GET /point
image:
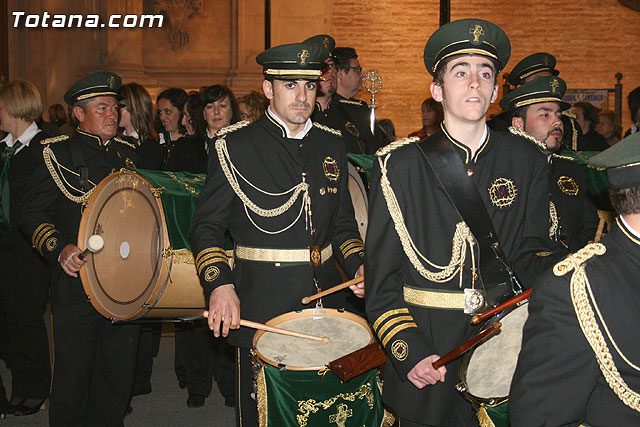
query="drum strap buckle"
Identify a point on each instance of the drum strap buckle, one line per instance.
(315, 258)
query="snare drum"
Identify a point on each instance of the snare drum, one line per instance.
(486, 372)
(145, 268)
(294, 385)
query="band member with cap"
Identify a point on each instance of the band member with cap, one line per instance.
(279, 186)
(94, 358)
(448, 215)
(579, 359)
(537, 108)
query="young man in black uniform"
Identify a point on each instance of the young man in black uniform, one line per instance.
(94, 358)
(426, 271)
(537, 116)
(279, 186)
(579, 359)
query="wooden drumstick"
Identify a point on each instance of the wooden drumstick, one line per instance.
(508, 303)
(267, 328)
(307, 300)
(455, 353)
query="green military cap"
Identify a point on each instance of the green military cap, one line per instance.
(97, 84)
(293, 61)
(622, 162)
(532, 64)
(324, 40)
(543, 89)
(467, 37)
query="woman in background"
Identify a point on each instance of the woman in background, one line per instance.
(252, 106)
(432, 116)
(219, 109)
(609, 127)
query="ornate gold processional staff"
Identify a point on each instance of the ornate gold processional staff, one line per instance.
(373, 84)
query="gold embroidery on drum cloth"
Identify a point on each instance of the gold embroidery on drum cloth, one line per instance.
(568, 185)
(483, 418)
(331, 169)
(400, 349)
(432, 298)
(180, 256)
(263, 415)
(185, 182)
(397, 329)
(351, 246)
(582, 304)
(307, 407)
(502, 192)
(280, 255)
(209, 257)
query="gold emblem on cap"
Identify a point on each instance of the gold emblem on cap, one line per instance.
(331, 170)
(554, 85)
(325, 42)
(303, 56)
(568, 185)
(502, 192)
(546, 61)
(111, 81)
(400, 350)
(476, 31)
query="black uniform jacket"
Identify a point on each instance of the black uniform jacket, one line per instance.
(511, 178)
(49, 218)
(352, 118)
(558, 380)
(186, 154)
(266, 158)
(569, 191)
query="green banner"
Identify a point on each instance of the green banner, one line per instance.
(596, 178)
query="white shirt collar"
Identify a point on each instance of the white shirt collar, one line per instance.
(133, 134)
(26, 136)
(631, 229)
(307, 126)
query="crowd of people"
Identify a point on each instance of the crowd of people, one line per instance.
(463, 215)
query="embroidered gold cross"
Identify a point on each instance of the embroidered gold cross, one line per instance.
(477, 32)
(554, 85)
(303, 56)
(111, 82)
(341, 417)
(325, 43)
(546, 61)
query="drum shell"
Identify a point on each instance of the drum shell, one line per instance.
(151, 280)
(358, 189)
(463, 387)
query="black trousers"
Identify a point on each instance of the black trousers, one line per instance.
(94, 366)
(24, 292)
(246, 408)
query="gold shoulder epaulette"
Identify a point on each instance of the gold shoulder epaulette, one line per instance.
(560, 156)
(125, 142)
(515, 131)
(573, 261)
(569, 114)
(327, 129)
(357, 102)
(383, 151)
(232, 128)
(54, 139)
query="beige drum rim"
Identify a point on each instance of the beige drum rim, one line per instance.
(309, 312)
(359, 199)
(122, 302)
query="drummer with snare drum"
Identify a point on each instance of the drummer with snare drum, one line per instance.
(448, 216)
(279, 185)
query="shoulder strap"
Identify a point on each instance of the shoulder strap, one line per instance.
(496, 276)
(79, 164)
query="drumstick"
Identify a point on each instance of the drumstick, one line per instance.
(267, 328)
(95, 244)
(453, 354)
(307, 300)
(513, 301)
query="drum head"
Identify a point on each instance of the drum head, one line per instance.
(488, 370)
(347, 331)
(359, 200)
(120, 279)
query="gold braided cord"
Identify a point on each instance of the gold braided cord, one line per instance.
(327, 129)
(587, 321)
(574, 135)
(541, 145)
(383, 151)
(232, 128)
(49, 159)
(230, 171)
(461, 238)
(562, 156)
(553, 217)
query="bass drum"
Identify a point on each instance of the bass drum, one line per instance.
(359, 198)
(145, 268)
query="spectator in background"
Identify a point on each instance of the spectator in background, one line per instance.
(136, 122)
(219, 110)
(252, 106)
(609, 127)
(170, 105)
(57, 115)
(388, 130)
(587, 118)
(432, 116)
(634, 108)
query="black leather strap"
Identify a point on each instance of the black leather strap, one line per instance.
(77, 156)
(495, 275)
